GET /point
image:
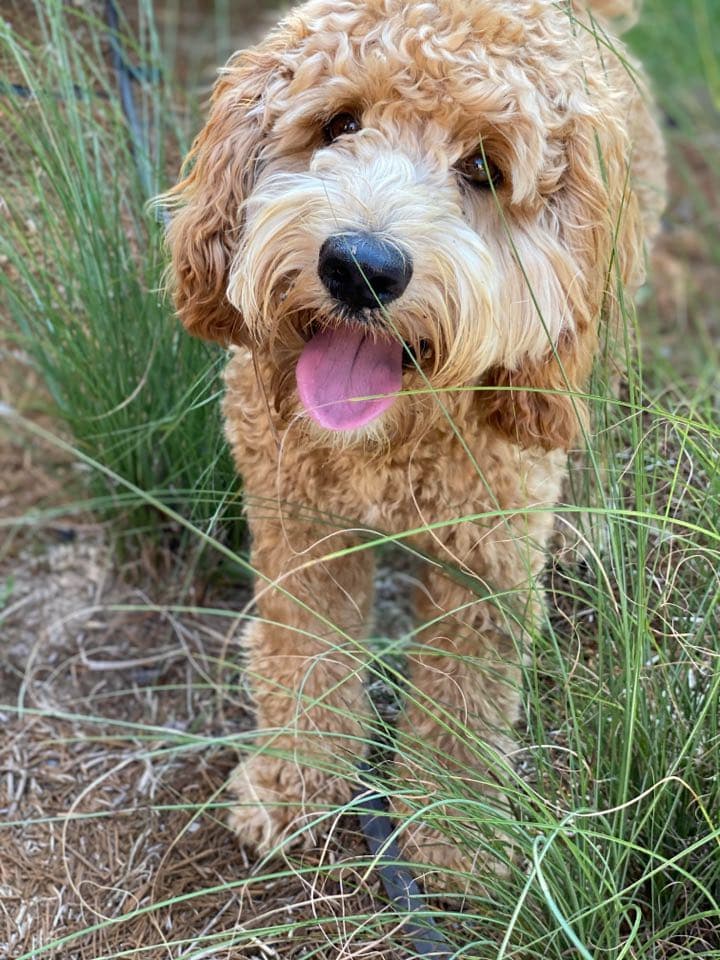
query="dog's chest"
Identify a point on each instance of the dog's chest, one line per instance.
(438, 482)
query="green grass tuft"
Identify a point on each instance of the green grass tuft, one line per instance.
(85, 289)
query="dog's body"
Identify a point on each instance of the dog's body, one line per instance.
(443, 199)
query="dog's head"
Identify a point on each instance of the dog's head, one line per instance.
(388, 194)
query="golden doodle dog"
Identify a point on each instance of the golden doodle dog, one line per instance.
(412, 223)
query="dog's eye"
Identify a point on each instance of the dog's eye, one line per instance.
(480, 170)
(339, 124)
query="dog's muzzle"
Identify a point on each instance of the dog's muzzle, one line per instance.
(363, 271)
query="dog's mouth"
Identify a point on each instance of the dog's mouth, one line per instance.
(350, 375)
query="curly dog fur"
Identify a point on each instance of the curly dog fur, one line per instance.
(506, 151)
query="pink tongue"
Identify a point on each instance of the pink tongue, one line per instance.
(337, 365)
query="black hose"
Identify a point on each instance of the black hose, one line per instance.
(27, 93)
(125, 75)
(400, 885)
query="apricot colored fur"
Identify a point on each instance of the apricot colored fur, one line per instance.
(510, 291)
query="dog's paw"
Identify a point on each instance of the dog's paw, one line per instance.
(281, 803)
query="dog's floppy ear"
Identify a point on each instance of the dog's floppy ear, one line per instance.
(595, 217)
(537, 405)
(221, 165)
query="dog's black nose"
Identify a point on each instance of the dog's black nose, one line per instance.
(362, 270)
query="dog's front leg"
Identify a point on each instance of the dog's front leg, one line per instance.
(455, 732)
(305, 665)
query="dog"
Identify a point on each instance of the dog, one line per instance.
(411, 223)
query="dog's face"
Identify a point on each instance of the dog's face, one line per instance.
(389, 194)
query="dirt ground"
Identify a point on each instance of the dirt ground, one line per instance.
(129, 714)
(111, 773)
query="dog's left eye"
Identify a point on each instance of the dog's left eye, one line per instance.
(339, 124)
(480, 170)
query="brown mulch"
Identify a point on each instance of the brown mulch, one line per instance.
(113, 845)
(121, 721)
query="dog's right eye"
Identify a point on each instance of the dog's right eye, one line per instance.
(339, 124)
(479, 170)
